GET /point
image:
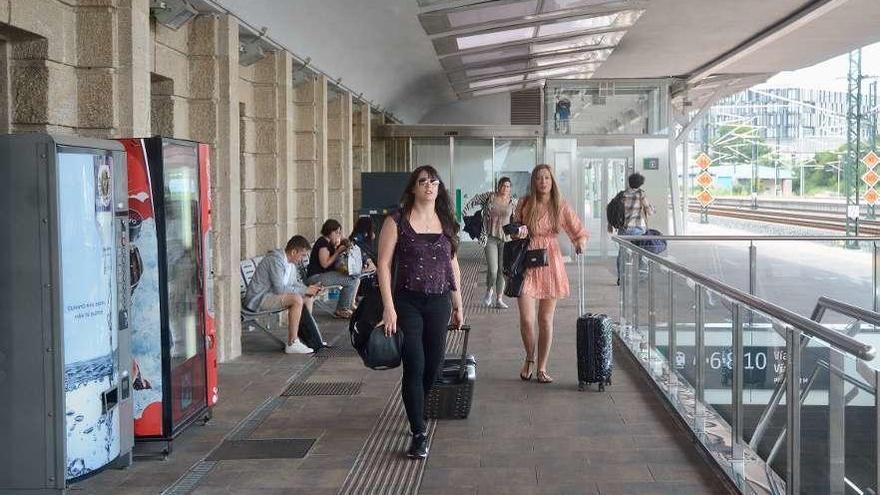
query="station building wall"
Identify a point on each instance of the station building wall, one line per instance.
(106, 69)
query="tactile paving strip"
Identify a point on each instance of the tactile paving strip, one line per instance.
(304, 389)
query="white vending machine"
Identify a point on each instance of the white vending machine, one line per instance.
(65, 366)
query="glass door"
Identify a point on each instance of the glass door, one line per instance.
(182, 235)
(603, 171)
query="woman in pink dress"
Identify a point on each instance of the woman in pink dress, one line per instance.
(544, 214)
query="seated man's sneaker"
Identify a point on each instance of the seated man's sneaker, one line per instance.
(297, 348)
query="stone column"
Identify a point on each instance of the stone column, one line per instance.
(43, 70)
(339, 158)
(97, 99)
(213, 119)
(133, 69)
(285, 147)
(310, 124)
(259, 209)
(361, 149)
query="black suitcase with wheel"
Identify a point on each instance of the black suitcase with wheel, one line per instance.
(594, 346)
(453, 391)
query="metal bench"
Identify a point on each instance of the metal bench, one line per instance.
(250, 318)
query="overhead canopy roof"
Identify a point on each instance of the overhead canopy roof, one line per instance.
(412, 55)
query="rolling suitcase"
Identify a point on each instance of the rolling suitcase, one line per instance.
(453, 391)
(594, 346)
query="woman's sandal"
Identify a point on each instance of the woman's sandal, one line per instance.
(343, 315)
(543, 377)
(528, 377)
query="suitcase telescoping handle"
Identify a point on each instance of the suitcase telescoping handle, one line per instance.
(582, 285)
(464, 346)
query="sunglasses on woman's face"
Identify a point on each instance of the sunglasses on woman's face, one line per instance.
(425, 182)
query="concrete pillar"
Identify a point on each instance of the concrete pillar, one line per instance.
(339, 159)
(213, 119)
(133, 68)
(259, 208)
(285, 147)
(97, 43)
(361, 148)
(310, 124)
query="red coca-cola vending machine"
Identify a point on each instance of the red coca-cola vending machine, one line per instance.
(174, 368)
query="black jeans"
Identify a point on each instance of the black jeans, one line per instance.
(423, 319)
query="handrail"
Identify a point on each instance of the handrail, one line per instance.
(749, 238)
(861, 314)
(842, 342)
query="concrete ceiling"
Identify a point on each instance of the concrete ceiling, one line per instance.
(380, 48)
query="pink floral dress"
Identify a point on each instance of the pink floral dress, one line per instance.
(551, 281)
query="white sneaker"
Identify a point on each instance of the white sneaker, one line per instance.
(500, 304)
(490, 297)
(297, 348)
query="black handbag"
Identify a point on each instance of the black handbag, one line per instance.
(382, 352)
(536, 258)
(514, 266)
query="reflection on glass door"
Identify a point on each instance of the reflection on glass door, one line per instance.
(181, 209)
(472, 159)
(603, 173)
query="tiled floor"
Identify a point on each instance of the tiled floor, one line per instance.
(520, 437)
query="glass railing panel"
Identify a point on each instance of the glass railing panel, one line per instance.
(860, 427)
(819, 406)
(727, 261)
(681, 347)
(659, 345)
(763, 389)
(716, 382)
(642, 310)
(794, 274)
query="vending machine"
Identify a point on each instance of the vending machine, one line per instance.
(174, 369)
(65, 384)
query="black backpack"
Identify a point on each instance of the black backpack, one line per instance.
(616, 212)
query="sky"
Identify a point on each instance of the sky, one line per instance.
(830, 74)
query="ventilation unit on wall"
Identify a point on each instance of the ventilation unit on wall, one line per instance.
(172, 13)
(525, 107)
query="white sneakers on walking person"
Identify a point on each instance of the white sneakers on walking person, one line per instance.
(500, 304)
(490, 298)
(297, 347)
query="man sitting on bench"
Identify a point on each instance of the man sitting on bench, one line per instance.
(277, 286)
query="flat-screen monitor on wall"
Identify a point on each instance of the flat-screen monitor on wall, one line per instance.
(382, 189)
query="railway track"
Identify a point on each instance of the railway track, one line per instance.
(797, 217)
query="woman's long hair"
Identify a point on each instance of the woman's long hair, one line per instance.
(364, 225)
(442, 205)
(530, 213)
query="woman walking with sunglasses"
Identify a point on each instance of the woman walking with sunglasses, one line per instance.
(544, 214)
(423, 237)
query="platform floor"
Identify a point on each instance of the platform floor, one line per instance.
(521, 437)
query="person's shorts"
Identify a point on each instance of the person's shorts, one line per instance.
(272, 302)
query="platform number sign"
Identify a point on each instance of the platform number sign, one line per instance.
(871, 178)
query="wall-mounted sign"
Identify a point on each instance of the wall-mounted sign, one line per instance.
(651, 164)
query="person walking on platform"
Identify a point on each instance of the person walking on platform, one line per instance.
(636, 211)
(422, 240)
(497, 207)
(544, 214)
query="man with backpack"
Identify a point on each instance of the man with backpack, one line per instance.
(628, 213)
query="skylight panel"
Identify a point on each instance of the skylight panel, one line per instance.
(604, 39)
(503, 53)
(496, 81)
(550, 73)
(495, 38)
(565, 27)
(593, 56)
(491, 13)
(553, 5)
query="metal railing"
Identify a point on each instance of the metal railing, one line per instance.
(872, 242)
(723, 420)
